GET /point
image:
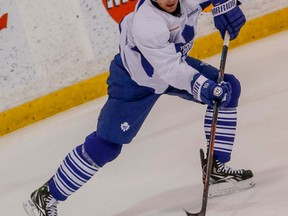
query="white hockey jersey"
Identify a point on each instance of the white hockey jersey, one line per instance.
(154, 44)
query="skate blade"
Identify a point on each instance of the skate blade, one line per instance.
(222, 189)
(30, 208)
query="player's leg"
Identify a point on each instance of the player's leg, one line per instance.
(227, 117)
(76, 169)
(226, 124)
(121, 117)
(81, 164)
(225, 132)
(231, 180)
(118, 123)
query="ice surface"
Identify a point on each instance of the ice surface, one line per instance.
(159, 173)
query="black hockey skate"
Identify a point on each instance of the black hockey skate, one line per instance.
(225, 180)
(41, 203)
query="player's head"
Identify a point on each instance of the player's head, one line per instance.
(168, 5)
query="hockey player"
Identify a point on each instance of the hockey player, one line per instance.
(155, 40)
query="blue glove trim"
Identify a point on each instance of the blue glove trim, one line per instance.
(196, 85)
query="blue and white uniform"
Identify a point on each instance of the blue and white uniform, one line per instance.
(154, 45)
(152, 61)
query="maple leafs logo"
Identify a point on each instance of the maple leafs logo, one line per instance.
(125, 126)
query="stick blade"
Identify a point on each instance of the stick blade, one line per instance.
(194, 214)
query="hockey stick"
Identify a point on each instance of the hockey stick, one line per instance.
(212, 133)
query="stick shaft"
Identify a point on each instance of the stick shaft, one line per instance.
(210, 151)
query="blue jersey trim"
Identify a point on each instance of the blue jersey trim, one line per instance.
(145, 64)
(205, 5)
(139, 4)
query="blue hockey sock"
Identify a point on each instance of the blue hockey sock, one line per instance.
(74, 172)
(225, 132)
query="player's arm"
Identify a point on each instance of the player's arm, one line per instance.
(151, 36)
(170, 68)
